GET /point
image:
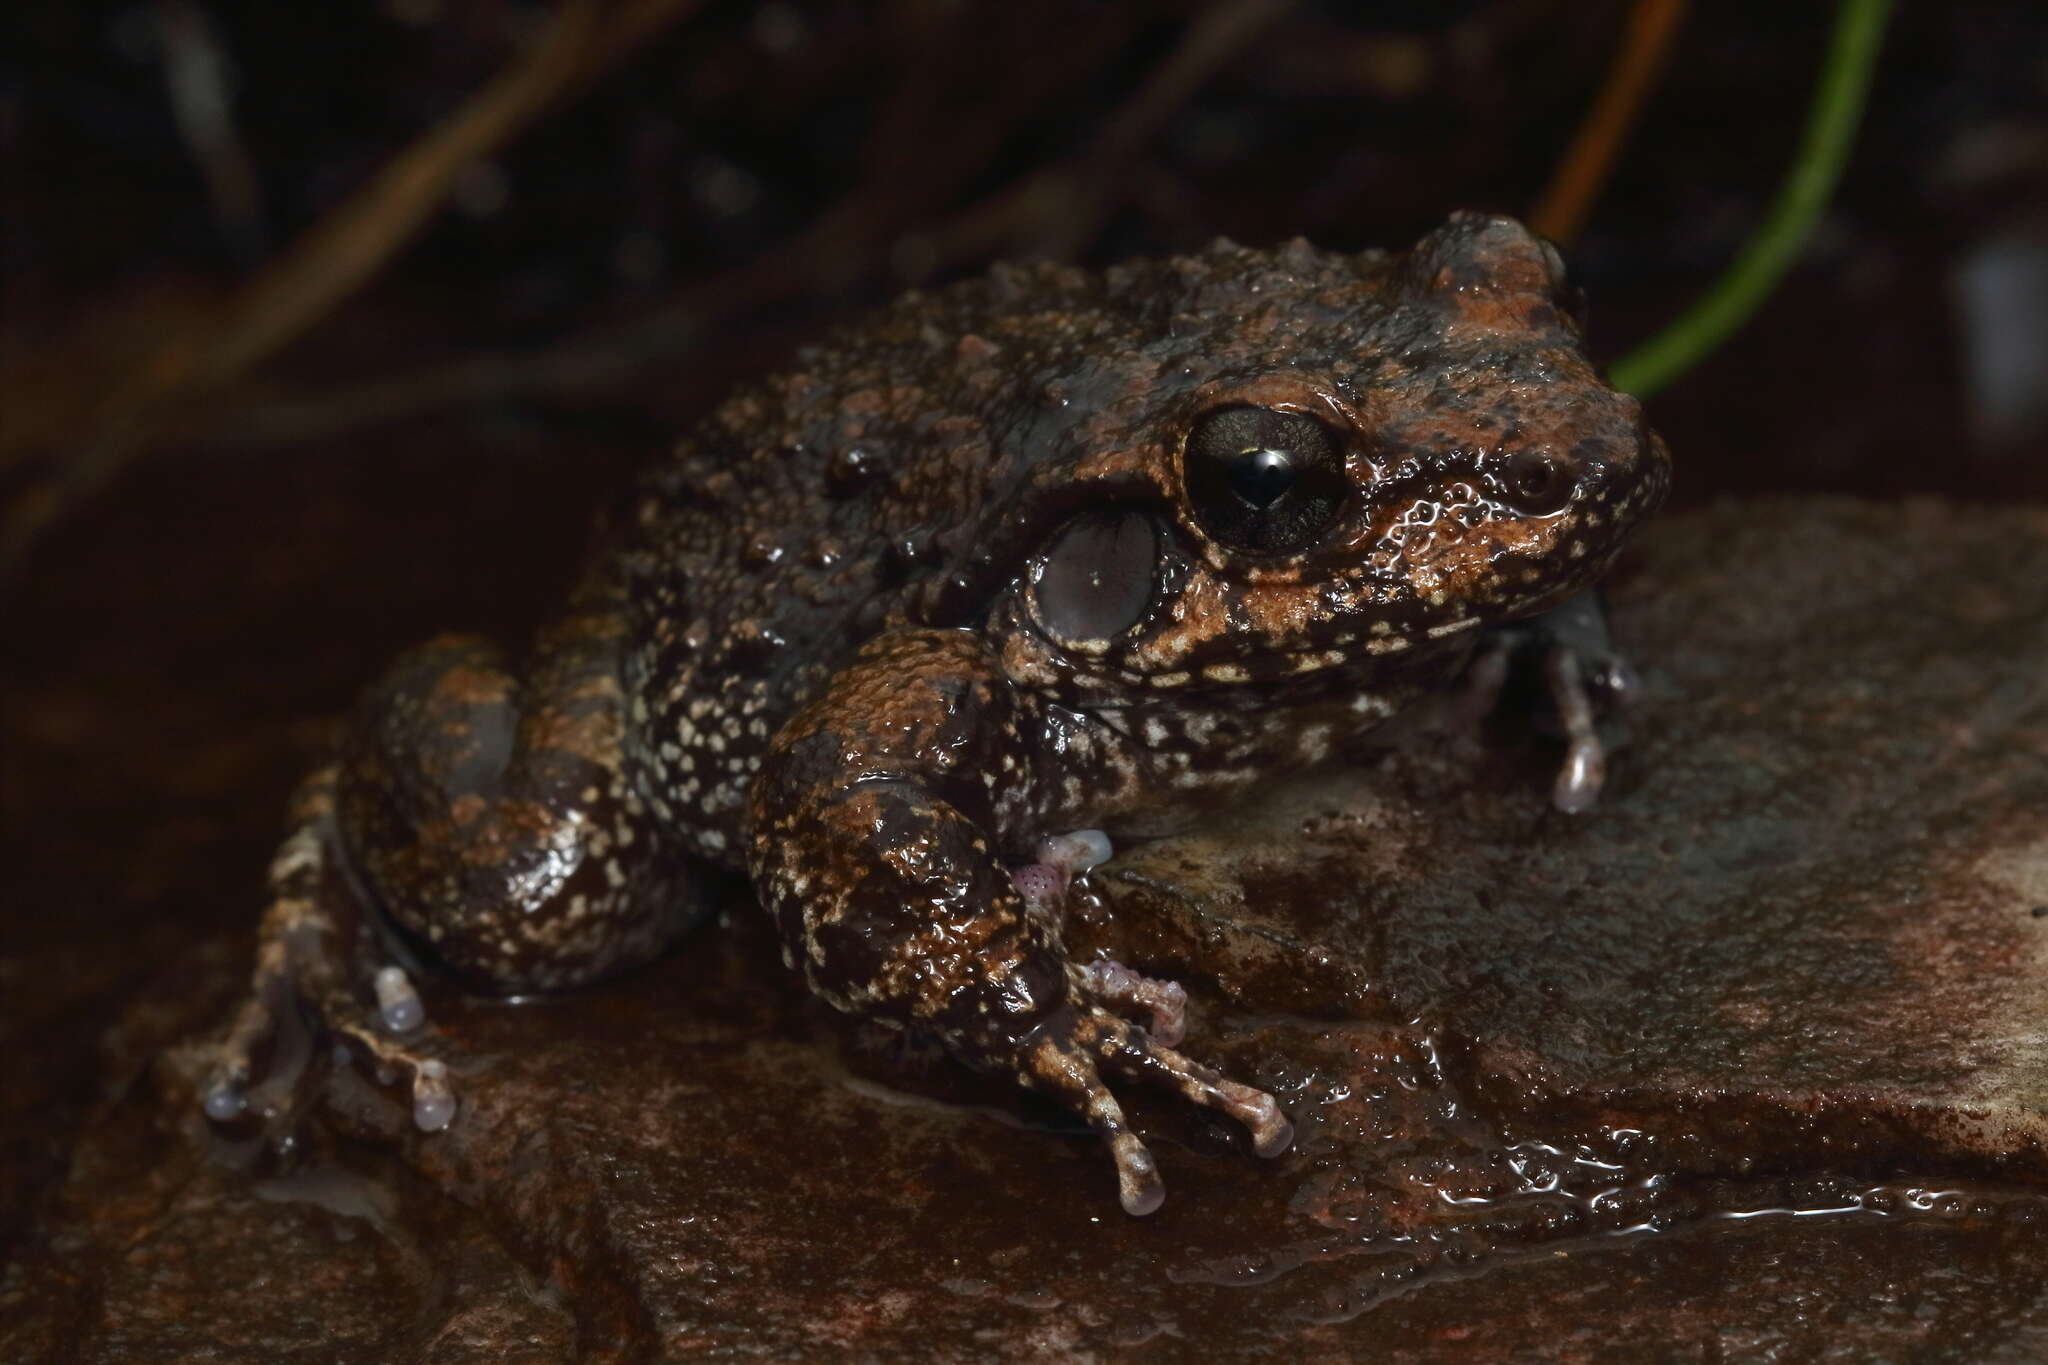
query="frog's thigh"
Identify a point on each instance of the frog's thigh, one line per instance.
(492, 818)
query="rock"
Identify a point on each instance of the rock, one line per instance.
(1748, 1059)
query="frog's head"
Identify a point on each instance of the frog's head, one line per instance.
(1390, 453)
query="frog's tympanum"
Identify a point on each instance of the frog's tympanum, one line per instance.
(909, 632)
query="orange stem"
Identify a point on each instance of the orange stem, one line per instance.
(1562, 210)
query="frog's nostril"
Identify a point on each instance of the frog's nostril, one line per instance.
(1537, 484)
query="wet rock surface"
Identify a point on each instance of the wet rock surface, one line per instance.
(1750, 1059)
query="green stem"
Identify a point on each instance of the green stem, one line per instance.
(1830, 131)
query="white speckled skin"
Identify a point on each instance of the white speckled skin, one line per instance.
(950, 586)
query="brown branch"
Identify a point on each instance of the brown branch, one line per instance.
(857, 233)
(338, 255)
(1561, 210)
(334, 259)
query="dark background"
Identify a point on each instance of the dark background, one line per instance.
(196, 606)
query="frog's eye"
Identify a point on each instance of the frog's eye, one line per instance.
(1264, 481)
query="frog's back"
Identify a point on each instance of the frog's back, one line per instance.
(869, 486)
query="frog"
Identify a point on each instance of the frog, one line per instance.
(912, 634)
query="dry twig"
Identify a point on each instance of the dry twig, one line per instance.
(1052, 212)
(337, 256)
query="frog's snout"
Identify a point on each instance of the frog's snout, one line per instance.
(1617, 483)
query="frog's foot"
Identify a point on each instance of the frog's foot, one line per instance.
(1566, 674)
(1160, 1005)
(297, 1006)
(305, 995)
(1583, 674)
(1066, 1056)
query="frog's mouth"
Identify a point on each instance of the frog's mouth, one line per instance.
(1350, 659)
(1427, 591)
(1435, 552)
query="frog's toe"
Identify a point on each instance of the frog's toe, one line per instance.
(1129, 1051)
(1077, 852)
(1061, 858)
(433, 1102)
(394, 1063)
(1069, 1053)
(225, 1096)
(1161, 1005)
(1042, 887)
(398, 1004)
(270, 1026)
(1054, 1065)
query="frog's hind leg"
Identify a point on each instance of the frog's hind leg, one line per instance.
(302, 995)
(487, 819)
(492, 817)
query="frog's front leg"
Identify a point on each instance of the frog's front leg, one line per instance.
(875, 836)
(1582, 674)
(486, 817)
